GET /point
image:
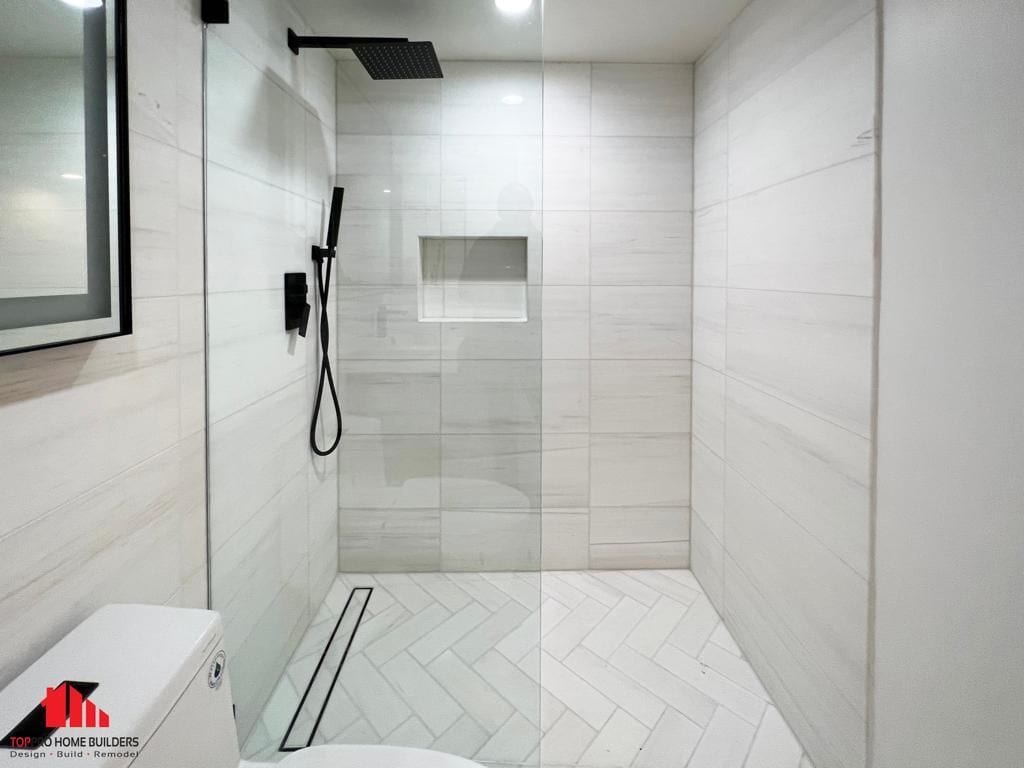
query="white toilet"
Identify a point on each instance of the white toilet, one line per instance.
(164, 692)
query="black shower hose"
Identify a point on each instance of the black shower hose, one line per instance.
(323, 283)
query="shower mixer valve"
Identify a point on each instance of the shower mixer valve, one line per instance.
(296, 307)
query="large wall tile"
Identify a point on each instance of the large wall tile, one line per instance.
(640, 248)
(566, 475)
(386, 106)
(566, 396)
(711, 165)
(709, 327)
(706, 556)
(383, 247)
(708, 488)
(642, 100)
(640, 323)
(640, 174)
(621, 525)
(709, 407)
(382, 323)
(490, 540)
(566, 99)
(710, 246)
(639, 470)
(567, 248)
(644, 396)
(475, 98)
(661, 554)
(390, 397)
(389, 471)
(566, 173)
(491, 173)
(389, 540)
(490, 396)
(567, 330)
(711, 84)
(490, 471)
(564, 540)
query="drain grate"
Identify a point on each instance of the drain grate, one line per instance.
(310, 710)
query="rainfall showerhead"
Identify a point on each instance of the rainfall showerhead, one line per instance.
(385, 58)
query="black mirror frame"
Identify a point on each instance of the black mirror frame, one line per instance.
(124, 235)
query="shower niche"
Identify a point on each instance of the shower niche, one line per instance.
(473, 279)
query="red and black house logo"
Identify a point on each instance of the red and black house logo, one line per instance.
(65, 706)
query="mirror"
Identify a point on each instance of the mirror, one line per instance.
(64, 233)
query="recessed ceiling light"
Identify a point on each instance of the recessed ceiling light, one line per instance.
(386, 191)
(72, 176)
(84, 4)
(511, 6)
(512, 99)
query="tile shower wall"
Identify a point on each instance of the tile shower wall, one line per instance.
(784, 187)
(273, 509)
(441, 464)
(102, 460)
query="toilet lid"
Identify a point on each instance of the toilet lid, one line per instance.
(375, 756)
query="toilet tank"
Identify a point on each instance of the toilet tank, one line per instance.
(133, 685)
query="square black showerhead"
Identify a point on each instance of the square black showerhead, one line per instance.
(399, 61)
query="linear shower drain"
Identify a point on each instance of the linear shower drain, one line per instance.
(310, 711)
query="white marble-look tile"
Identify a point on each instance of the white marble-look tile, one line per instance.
(564, 539)
(390, 397)
(778, 342)
(389, 471)
(500, 223)
(382, 323)
(490, 540)
(818, 597)
(566, 248)
(386, 106)
(711, 84)
(709, 327)
(490, 471)
(645, 396)
(639, 470)
(389, 540)
(492, 340)
(566, 396)
(383, 247)
(706, 556)
(814, 233)
(708, 488)
(566, 476)
(640, 248)
(817, 114)
(566, 333)
(641, 174)
(710, 246)
(817, 472)
(651, 323)
(642, 100)
(566, 173)
(388, 155)
(623, 525)
(566, 99)
(491, 172)
(480, 98)
(490, 396)
(711, 165)
(709, 407)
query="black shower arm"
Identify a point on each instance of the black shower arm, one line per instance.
(297, 42)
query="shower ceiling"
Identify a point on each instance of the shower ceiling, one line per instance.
(574, 30)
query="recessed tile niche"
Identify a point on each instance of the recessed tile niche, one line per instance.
(473, 279)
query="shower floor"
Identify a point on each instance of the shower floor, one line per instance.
(636, 669)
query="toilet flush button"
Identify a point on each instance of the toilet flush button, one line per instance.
(217, 669)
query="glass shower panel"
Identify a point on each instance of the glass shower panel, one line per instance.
(390, 593)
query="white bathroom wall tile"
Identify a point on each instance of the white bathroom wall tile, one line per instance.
(814, 233)
(497, 340)
(566, 173)
(386, 106)
(649, 323)
(321, 156)
(626, 525)
(642, 100)
(818, 473)
(828, 611)
(390, 397)
(709, 327)
(566, 396)
(641, 174)
(491, 540)
(769, 38)
(566, 475)
(491, 471)
(480, 98)
(382, 323)
(819, 113)
(389, 155)
(490, 396)
(667, 554)
(708, 488)
(777, 342)
(710, 245)
(389, 471)
(564, 539)
(500, 223)
(706, 554)
(711, 149)
(491, 173)
(389, 540)
(639, 470)
(566, 248)
(383, 247)
(640, 248)
(566, 99)
(566, 334)
(711, 84)
(644, 396)
(709, 407)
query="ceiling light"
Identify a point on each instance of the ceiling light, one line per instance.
(386, 191)
(508, 6)
(512, 99)
(72, 176)
(84, 4)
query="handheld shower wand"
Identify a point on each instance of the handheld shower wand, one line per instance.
(322, 258)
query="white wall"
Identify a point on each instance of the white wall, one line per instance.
(949, 655)
(605, 173)
(102, 455)
(784, 189)
(273, 509)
